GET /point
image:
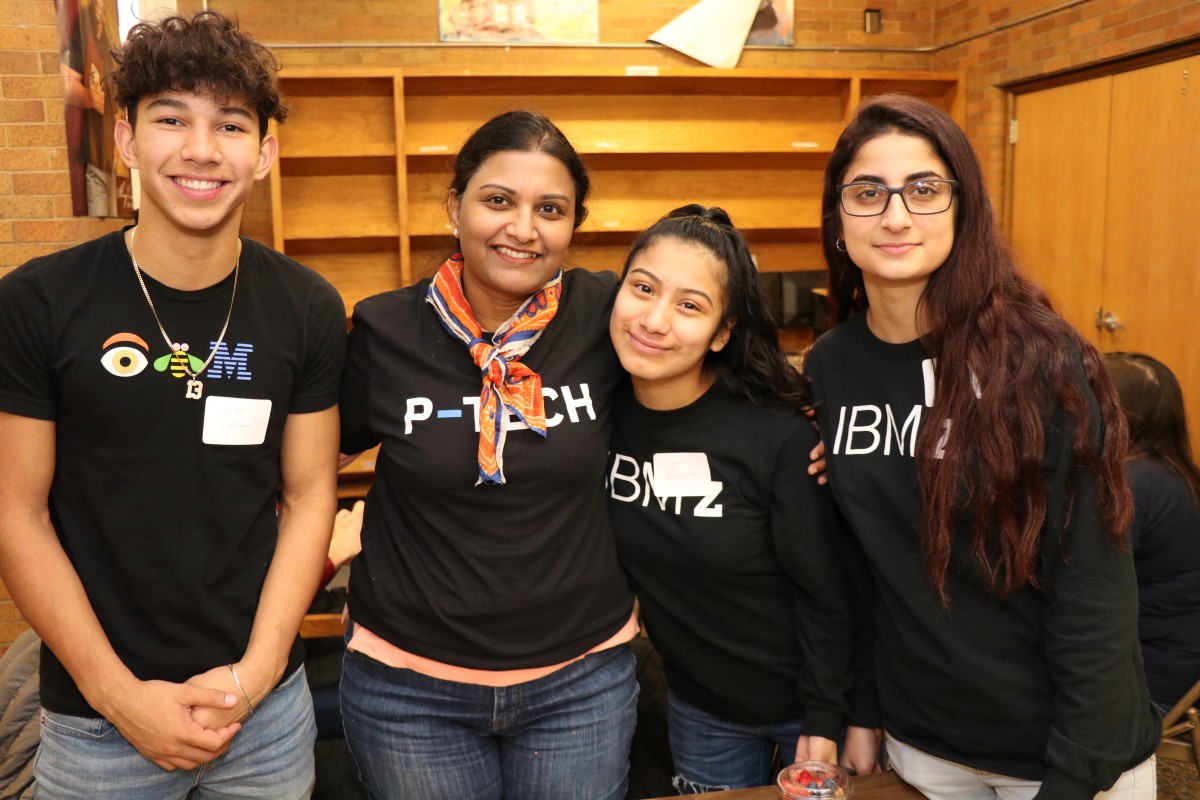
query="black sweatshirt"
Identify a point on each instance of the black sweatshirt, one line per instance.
(739, 572)
(1044, 685)
(1166, 556)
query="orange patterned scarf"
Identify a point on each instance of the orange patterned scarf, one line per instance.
(508, 385)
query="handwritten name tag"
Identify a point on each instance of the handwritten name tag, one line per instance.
(235, 420)
(681, 475)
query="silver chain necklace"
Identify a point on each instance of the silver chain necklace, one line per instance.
(195, 389)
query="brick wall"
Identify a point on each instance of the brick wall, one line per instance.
(817, 22)
(824, 24)
(1082, 35)
(35, 196)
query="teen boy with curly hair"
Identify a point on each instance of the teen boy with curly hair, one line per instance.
(161, 387)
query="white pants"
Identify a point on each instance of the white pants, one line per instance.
(939, 779)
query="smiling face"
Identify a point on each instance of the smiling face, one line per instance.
(668, 315)
(198, 159)
(897, 250)
(515, 220)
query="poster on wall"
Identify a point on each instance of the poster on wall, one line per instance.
(542, 21)
(773, 24)
(100, 182)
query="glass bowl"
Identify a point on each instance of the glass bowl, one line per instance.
(814, 779)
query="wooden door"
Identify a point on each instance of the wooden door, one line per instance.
(1106, 214)
(1152, 240)
(1060, 177)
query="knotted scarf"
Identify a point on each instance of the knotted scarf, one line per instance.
(508, 385)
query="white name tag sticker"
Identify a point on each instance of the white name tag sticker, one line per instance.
(235, 420)
(681, 475)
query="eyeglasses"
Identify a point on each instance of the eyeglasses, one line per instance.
(919, 197)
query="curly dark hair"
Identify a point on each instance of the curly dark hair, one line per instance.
(752, 364)
(206, 54)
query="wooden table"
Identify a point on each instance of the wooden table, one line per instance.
(884, 786)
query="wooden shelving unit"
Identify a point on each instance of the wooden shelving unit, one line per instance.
(338, 186)
(365, 157)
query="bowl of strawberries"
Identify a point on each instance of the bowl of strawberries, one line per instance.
(814, 779)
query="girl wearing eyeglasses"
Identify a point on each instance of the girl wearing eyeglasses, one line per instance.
(975, 444)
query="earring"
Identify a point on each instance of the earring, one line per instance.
(455, 233)
(839, 245)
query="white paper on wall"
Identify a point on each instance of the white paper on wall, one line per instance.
(712, 31)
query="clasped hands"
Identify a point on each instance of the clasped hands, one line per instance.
(183, 725)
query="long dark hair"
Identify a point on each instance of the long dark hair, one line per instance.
(1153, 404)
(523, 131)
(751, 365)
(1007, 363)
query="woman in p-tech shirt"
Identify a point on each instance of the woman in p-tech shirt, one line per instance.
(487, 656)
(730, 546)
(975, 447)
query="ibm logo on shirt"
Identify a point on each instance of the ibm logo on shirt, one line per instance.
(234, 365)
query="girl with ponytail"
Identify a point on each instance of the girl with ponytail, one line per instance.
(732, 549)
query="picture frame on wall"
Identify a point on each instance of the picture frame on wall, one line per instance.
(542, 21)
(100, 182)
(772, 24)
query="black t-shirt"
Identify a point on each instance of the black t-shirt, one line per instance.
(1043, 685)
(170, 525)
(513, 576)
(738, 568)
(1166, 555)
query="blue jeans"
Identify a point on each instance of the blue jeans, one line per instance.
(271, 757)
(559, 737)
(713, 754)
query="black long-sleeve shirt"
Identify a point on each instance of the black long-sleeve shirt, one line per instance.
(1045, 684)
(738, 572)
(1166, 556)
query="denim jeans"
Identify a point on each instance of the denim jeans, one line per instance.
(559, 737)
(713, 754)
(939, 779)
(271, 757)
